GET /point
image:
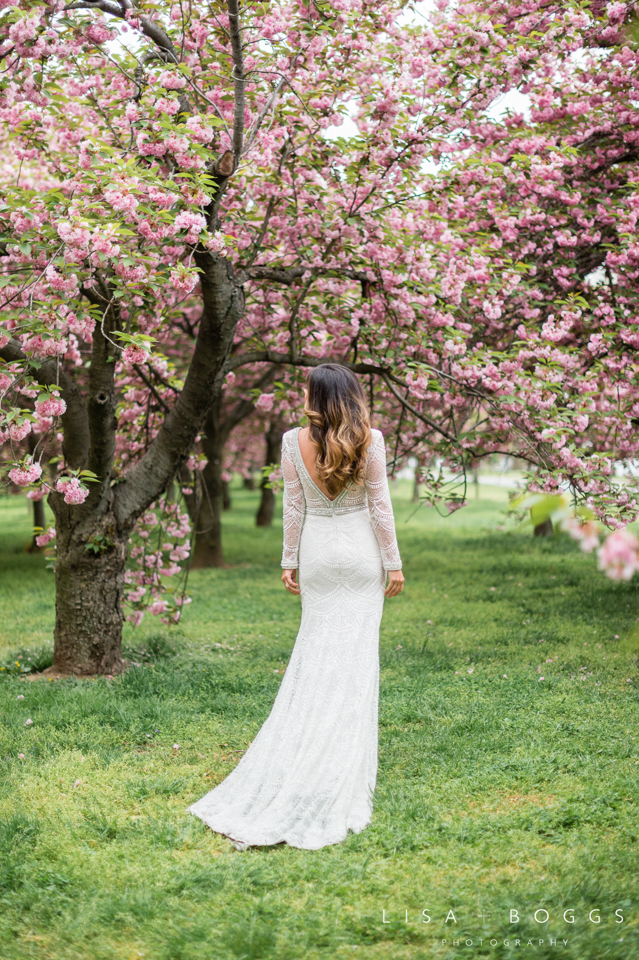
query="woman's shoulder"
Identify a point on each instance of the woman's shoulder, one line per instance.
(289, 436)
(377, 437)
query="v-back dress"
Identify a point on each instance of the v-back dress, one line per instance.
(308, 776)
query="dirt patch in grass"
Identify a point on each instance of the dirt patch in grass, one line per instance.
(52, 674)
(511, 801)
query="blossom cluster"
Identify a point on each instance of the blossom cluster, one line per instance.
(618, 556)
(160, 545)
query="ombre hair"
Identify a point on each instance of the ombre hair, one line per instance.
(338, 424)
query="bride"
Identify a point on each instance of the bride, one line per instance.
(309, 775)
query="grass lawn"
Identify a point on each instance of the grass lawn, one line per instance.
(507, 779)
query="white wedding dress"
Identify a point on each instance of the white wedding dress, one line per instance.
(308, 776)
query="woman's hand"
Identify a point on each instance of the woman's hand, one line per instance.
(289, 579)
(395, 583)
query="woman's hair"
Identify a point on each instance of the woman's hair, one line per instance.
(339, 425)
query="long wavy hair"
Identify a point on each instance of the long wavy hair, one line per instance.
(338, 424)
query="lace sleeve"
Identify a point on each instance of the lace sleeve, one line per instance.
(294, 508)
(379, 504)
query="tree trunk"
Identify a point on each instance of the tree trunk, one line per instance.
(264, 516)
(207, 551)
(38, 521)
(418, 468)
(89, 590)
(226, 495)
(544, 529)
(248, 483)
(219, 423)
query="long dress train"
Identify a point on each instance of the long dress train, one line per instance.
(308, 776)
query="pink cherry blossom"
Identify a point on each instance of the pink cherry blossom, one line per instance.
(134, 353)
(158, 607)
(184, 281)
(72, 489)
(171, 81)
(618, 556)
(45, 538)
(52, 406)
(19, 431)
(216, 242)
(192, 222)
(265, 402)
(28, 472)
(586, 533)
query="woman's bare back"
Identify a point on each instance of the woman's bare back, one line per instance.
(309, 453)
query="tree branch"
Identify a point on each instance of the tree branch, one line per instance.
(223, 302)
(420, 416)
(269, 356)
(162, 402)
(149, 27)
(270, 102)
(239, 79)
(288, 275)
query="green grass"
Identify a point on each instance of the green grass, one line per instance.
(497, 790)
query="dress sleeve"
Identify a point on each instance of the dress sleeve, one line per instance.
(294, 509)
(380, 506)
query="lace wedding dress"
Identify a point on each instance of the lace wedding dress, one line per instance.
(309, 775)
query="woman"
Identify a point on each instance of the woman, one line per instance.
(309, 775)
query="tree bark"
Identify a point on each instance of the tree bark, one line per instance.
(207, 551)
(248, 483)
(226, 495)
(89, 584)
(544, 529)
(264, 516)
(89, 591)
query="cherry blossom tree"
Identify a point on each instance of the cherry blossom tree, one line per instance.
(523, 276)
(537, 266)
